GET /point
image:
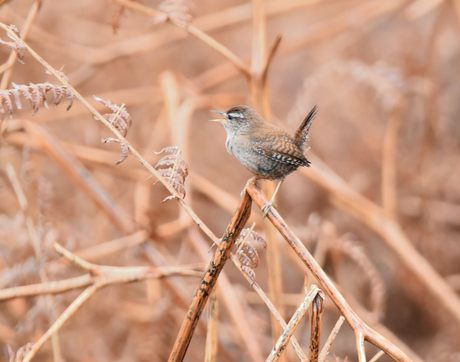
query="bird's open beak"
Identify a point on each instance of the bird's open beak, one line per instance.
(223, 121)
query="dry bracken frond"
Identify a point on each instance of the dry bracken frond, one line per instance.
(355, 252)
(18, 46)
(19, 271)
(21, 353)
(121, 120)
(246, 251)
(387, 83)
(174, 169)
(174, 9)
(35, 94)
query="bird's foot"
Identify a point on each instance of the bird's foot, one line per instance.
(251, 181)
(266, 208)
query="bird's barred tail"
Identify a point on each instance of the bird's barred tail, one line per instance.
(301, 135)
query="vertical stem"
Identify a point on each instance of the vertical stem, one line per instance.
(316, 319)
(213, 321)
(216, 265)
(389, 161)
(259, 95)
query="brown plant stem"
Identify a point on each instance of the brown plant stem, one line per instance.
(71, 309)
(330, 339)
(316, 320)
(210, 278)
(213, 322)
(389, 160)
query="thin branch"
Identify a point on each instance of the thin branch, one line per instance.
(270, 56)
(71, 309)
(327, 346)
(111, 275)
(237, 62)
(377, 356)
(389, 160)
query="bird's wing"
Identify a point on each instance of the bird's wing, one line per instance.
(280, 149)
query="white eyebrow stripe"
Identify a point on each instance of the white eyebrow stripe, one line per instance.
(238, 115)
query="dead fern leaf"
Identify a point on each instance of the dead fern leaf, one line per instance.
(356, 253)
(173, 9)
(18, 46)
(35, 94)
(121, 120)
(246, 251)
(174, 169)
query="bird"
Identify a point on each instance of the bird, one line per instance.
(267, 151)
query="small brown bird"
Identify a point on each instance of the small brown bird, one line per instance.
(264, 149)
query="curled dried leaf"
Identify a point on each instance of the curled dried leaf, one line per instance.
(174, 169)
(121, 120)
(18, 47)
(355, 251)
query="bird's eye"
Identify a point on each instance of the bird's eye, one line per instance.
(235, 115)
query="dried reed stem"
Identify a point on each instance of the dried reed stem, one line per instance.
(111, 275)
(213, 322)
(210, 278)
(259, 95)
(316, 321)
(71, 309)
(377, 356)
(327, 346)
(389, 161)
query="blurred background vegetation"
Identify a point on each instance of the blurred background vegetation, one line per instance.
(384, 75)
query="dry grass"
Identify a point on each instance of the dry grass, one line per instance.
(379, 209)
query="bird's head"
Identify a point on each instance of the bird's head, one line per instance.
(238, 119)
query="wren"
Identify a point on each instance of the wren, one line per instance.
(264, 149)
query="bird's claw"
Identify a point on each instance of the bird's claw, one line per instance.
(266, 208)
(251, 181)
